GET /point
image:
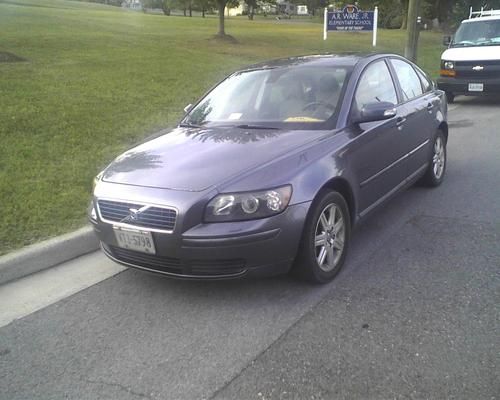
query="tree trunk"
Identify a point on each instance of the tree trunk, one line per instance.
(165, 8)
(185, 12)
(404, 22)
(250, 13)
(221, 6)
(190, 10)
(412, 31)
(203, 11)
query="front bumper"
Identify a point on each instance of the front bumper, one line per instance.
(461, 85)
(225, 250)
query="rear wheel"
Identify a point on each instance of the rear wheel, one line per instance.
(325, 239)
(437, 167)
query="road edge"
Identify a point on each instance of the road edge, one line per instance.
(47, 254)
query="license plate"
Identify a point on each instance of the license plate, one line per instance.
(476, 87)
(135, 240)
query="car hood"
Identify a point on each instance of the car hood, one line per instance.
(477, 53)
(194, 159)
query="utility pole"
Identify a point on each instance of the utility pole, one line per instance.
(412, 30)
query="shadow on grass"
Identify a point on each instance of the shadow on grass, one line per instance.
(9, 57)
(224, 39)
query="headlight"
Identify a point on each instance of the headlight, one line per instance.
(448, 69)
(448, 65)
(248, 205)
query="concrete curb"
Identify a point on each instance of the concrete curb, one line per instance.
(46, 254)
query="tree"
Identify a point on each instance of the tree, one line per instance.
(221, 6)
(165, 5)
(203, 6)
(251, 6)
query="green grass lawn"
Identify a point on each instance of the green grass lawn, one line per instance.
(98, 79)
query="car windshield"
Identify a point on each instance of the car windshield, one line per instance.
(478, 33)
(290, 97)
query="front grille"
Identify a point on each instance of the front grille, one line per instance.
(152, 217)
(491, 69)
(176, 266)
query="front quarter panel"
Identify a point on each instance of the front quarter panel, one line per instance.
(307, 170)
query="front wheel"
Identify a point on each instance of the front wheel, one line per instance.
(325, 239)
(437, 167)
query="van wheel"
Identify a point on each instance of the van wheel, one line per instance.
(325, 239)
(450, 97)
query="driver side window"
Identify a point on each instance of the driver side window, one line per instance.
(375, 85)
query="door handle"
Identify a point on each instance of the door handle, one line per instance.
(400, 121)
(430, 106)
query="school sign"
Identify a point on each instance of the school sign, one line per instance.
(351, 19)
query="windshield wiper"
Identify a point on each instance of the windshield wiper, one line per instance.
(247, 126)
(188, 125)
(464, 43)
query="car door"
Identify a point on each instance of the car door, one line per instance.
(421, 108)
(376, 152)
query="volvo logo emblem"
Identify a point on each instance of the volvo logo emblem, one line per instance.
(478, 68)
(133, 215)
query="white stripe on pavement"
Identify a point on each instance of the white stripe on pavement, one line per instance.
(32, 293)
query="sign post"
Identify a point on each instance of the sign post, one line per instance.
(351, 19)
(375, 27)
(325, 24)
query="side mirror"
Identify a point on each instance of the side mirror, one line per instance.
(188, 108)
(376, 112)
(446, 40)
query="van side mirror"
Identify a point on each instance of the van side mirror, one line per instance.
(378, 111)
(188, 108)
(446, 40)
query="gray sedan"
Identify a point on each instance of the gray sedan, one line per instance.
(271, 169)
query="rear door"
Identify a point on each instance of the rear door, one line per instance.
(376, 151)
(421, 105)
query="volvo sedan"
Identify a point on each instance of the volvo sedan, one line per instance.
(272, 168)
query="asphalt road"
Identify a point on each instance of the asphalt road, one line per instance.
(414, 314)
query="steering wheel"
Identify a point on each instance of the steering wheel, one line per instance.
(315, 104)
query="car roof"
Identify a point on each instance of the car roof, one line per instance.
(344, 59)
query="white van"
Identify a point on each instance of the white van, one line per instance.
(471, 64)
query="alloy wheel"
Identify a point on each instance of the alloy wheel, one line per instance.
(329, 237)
(438, 158)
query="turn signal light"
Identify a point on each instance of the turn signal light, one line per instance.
(448, 72)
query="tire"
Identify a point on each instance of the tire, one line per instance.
(437, 164)
(331, 247)
(450, 97)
